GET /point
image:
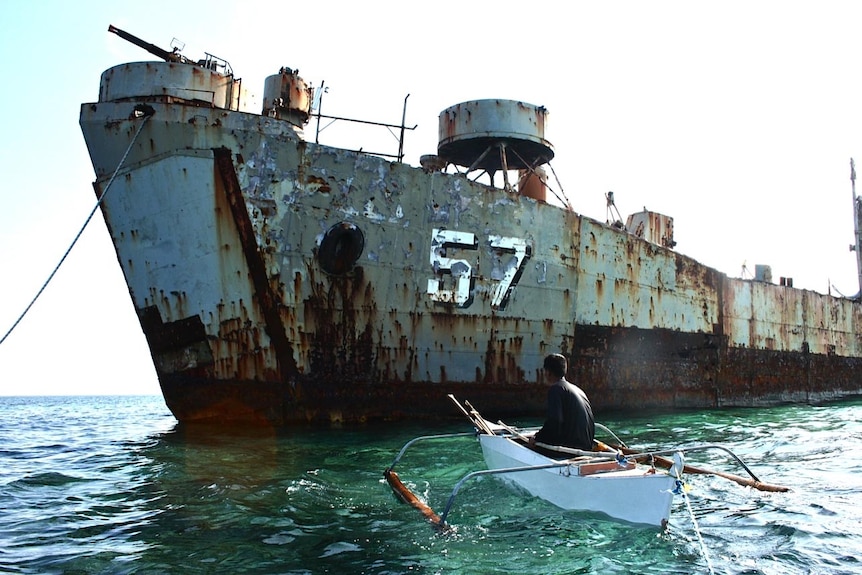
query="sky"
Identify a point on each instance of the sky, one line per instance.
(736, 118)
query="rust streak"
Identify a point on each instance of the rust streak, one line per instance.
(257, 268)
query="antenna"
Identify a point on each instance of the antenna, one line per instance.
(857, 223)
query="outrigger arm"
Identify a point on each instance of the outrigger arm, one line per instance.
(494, 472)
(402, 491)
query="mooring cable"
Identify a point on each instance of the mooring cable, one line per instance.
(147, 113)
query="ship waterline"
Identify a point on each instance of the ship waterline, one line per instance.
(278, 280)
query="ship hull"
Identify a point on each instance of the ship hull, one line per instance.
(280, 281)
(748, 378)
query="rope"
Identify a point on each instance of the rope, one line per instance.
(681, 489)
(147, 113)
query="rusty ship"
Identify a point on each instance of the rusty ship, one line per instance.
(279, 280)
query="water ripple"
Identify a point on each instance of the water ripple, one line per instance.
(110, 485)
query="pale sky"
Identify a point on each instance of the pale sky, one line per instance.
(736, 118)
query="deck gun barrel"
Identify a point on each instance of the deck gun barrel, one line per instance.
(172, 56)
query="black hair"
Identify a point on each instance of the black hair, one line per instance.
(556, 364)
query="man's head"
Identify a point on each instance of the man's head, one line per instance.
(556, 365)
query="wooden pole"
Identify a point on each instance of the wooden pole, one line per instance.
(744, 481)
(408, 496)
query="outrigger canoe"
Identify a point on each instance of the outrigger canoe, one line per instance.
(625, 485)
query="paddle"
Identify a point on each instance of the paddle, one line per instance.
(480, 422)
(514, 432)
(744, 481)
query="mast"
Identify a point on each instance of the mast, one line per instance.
(857, 225)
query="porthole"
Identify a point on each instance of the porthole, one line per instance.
(340, 248)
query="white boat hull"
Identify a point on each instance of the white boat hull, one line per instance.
(638, 495)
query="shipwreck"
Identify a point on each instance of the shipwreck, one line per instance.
(279, 280)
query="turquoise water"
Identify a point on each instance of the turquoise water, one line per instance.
(113, 485)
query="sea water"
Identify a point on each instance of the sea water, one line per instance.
(115, 485)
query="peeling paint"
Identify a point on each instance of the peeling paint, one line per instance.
(467, 287)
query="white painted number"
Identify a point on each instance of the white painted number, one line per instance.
(513, 268)
(461, 271)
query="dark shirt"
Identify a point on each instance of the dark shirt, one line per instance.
(569, 422)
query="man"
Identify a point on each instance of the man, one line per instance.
(569, 422)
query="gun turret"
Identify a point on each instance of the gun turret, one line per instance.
(173, 56)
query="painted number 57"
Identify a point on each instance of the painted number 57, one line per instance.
(460, 293)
